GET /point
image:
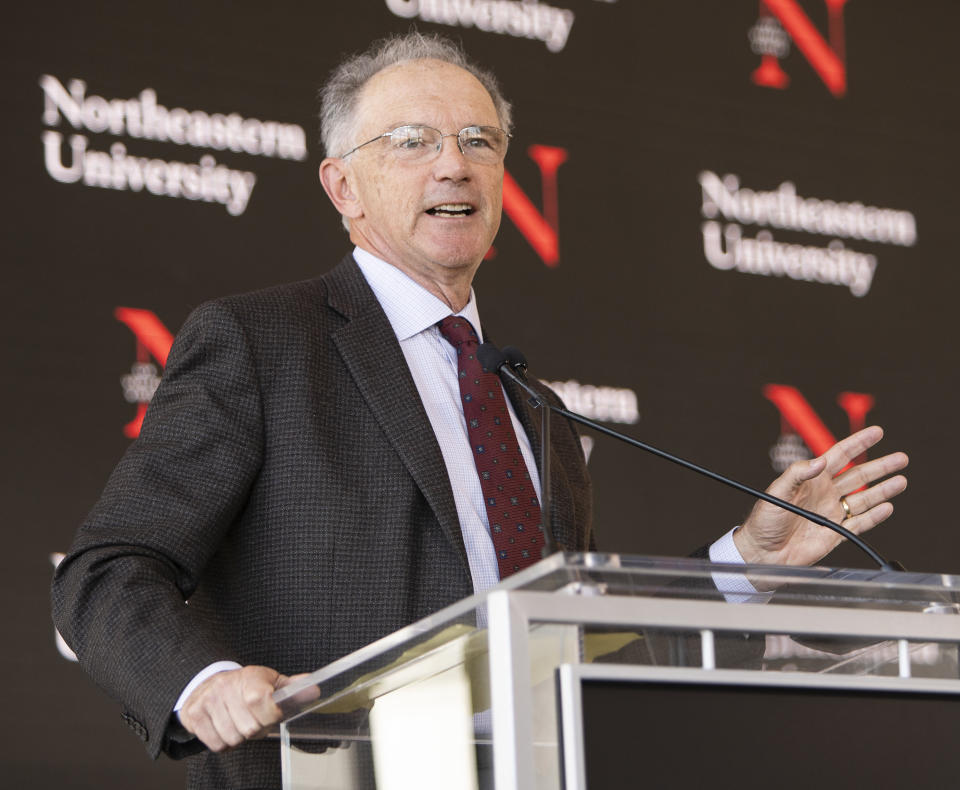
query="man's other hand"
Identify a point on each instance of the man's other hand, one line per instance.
(234, 706)
(771, 535)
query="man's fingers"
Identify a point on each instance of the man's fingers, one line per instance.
(870, 519)
(247, 718)
(205, 730)
(257, 698)
(863, 501)
(865, 473)
(853, 446)
(232, 706)
(283, 680)
(249, 700)
(213, 725)
(224, 723)
(197, 717)
(840, 455)
(304, 695)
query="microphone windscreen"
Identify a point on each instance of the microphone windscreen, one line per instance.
(515, 357)
(491, 357)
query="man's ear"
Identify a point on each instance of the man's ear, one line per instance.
(336, 178)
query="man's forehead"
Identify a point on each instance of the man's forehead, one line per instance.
(408, 92)
(416, 70)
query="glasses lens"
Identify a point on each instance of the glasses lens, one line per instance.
(485, 144)
(414, 142)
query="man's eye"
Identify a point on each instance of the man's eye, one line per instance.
(477, 142)
(407, 143)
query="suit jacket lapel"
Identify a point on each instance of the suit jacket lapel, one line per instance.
(373, 356)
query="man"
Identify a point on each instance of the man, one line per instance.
(307, 476)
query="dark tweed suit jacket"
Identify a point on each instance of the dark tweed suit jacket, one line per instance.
(287, 484)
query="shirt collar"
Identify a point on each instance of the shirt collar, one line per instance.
(410, 307)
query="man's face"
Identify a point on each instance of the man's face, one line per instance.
(398, 199)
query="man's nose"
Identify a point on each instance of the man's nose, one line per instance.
(451, 162)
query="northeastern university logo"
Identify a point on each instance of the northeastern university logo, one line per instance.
(803, 433)
(153, 342)
(782, 22)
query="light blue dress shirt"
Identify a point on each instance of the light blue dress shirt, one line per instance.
(413, 313)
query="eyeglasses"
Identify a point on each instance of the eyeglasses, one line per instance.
(485, 145)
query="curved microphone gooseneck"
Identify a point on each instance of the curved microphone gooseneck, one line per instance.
(510, 362)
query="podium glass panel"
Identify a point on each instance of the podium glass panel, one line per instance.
(468, 698)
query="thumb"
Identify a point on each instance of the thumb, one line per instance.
(306, 694)
(286, 680)
(809, 470)
(795, 476)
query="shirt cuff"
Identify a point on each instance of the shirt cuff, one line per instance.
(735, 587)
(202, 675)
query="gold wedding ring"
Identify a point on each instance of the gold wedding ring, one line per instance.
(846, 508)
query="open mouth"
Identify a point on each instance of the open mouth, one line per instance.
(451, 210)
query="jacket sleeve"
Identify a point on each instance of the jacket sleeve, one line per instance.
(120, 595)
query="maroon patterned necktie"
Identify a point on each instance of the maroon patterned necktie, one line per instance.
(511, 500)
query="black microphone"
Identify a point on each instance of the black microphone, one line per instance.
(491, 358)
(516, 359)
(511, 363)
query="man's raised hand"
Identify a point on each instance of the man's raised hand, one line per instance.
(771, 535)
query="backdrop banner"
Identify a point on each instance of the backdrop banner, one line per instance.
(727, 231)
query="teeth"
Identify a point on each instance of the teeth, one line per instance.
(451, 209)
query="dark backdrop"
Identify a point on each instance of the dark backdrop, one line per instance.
(642, 98)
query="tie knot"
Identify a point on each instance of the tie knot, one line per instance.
(458, 330)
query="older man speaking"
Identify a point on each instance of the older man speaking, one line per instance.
(325, 462)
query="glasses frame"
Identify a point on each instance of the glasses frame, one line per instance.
(439, 143)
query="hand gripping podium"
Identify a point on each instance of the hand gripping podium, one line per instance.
(603, 670)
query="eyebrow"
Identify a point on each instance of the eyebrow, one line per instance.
(423, 123)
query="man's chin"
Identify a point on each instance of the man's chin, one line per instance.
(457, 255)
(460, 261)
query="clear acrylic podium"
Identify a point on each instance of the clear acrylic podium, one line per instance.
(490, 692)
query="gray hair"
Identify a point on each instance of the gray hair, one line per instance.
(340, 95)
